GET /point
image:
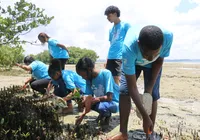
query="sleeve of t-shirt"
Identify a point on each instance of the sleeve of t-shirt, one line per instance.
(109, 82)
(126, 27)
(88, 90)
(53, 42)
(69, 82)
(33, 65)
(168, 39)
(128, 55)
(110, 36)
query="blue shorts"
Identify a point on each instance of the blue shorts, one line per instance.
(106, 108)
(147, 76)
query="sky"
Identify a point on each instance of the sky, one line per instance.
(82, 23)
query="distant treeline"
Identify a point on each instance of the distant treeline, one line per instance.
(75, 54)
(182, 60)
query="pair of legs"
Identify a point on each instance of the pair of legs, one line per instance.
(105, 109)
(60, 90)
(63, 61)
(125, 100)
(114, 65)
(39, 85)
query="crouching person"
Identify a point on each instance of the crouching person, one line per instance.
(102, 93)
(39, 74)
(65, 83)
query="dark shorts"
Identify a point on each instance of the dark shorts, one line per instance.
(114, 65)
(63, 61)
(147, 76)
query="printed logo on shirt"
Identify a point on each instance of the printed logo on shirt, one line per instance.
(115, 35)
(98, 91)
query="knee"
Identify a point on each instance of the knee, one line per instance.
(110, 108)
(114, 108)
(33, 85)
(105, 112)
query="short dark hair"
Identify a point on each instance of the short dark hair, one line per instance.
(43, 35)
(151, 36)
(84, 63)
(54, 66)
(28, 60)
(111, 10)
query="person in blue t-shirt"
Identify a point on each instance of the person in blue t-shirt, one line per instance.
(102, 93)
(144, 53)
(40, 78)
(56, 50)
(65, 83)
(116, 39)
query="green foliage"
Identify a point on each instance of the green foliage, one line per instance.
(10, 55)
(14, 22)
(20, 20)
(22, 118)
(75, 54)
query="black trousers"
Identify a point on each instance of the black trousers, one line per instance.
(39, 85)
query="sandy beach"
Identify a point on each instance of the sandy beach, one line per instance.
(178, 109)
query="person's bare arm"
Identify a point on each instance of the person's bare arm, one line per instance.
(27, 68)
(25, 84)
(87, 107)
(70, 95)
(133, 92)
(107, 98)
(49, 87)
(63, 46)
(156, 67)
(30, 79)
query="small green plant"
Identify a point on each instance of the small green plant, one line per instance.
(77, 97)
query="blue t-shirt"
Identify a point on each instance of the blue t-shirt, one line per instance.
(73, 80)
(56, 51)
(39, 70)
(102, 84)
(132, 55)
(116, 38)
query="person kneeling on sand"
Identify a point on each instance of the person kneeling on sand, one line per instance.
(40, 78)
(65, 82)
(102, 93)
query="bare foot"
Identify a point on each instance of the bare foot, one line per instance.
(119, 136)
